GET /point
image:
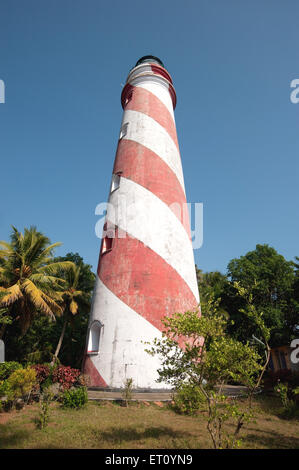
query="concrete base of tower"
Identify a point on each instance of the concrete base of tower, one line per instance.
(137, 395)
(134, 390)
(144, 376)
(118, 338)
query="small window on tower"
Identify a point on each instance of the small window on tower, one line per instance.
(123, 130)
(129, 97)
(115, 182)
(94, 338)
(106, 245)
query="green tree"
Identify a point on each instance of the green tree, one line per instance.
(73, 345)
(208, 358)
(86, 278)
(211, 283)
(28, 277)
(5, 318)
(270, 280)
(73, 299)
(41, 339)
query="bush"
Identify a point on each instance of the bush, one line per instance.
(84, 380)
(43, 375)
(7, 368)
(75, 398)
(287, 396)
(188, 399)
(43, 417)
(66, 377)
(287, 376)
(21, 382)
(5, 392)
(294, 379)
(3, 388)
(127, 391)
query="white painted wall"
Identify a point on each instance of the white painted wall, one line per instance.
(121, 354)
(146, 217)
(146, 131)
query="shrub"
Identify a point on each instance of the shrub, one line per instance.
(3, 388)
(188, 399)
(7, 368)
(282, 375)
(66, 377)
(43, 417)
(287, 395)
(75, 398)
(21, 382)
(5, 392)
(84, 380)
(290, 377)
(294, 379)
(43, 374)
(127, 391)
(281, 390)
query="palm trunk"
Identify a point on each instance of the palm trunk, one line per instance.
(59, 342)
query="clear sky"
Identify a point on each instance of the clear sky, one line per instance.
(64, 62)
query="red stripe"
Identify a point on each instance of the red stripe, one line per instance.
(158, 70)
(96, 380)
(144, 281)
(147, 103)
(161, 71)
(141, 165)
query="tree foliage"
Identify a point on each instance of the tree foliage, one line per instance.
(273, 283)
(197, 351)
(73, 300)
(28, 277)
(41, 339)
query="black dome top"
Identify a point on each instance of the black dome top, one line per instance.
(149, 58)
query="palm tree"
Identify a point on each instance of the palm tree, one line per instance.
(72, 300)
(28, 276)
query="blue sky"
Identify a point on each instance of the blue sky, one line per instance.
(64, 62)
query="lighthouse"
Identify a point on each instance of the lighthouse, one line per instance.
(146, 264)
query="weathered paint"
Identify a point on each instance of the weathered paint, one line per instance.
(96, 380)
(161, 93)
(146, 291)
(122, 354)
(149, 272)
(138, 163)
(148, 103)
(149, 220)
(146, 74)
(146, 131)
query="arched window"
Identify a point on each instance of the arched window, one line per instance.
(94, 338)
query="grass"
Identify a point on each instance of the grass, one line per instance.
(140, 426)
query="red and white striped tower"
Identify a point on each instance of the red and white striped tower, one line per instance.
(147, 271)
